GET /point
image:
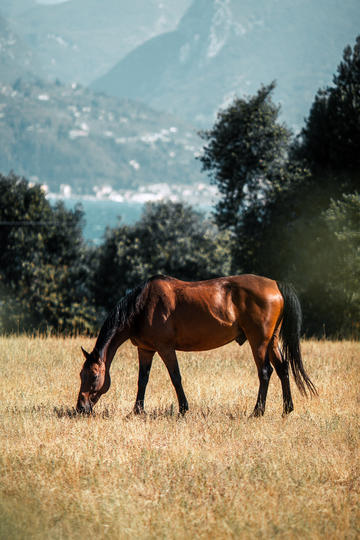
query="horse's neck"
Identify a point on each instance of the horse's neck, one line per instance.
(109, 351)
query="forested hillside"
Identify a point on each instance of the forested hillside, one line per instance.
(56, 134)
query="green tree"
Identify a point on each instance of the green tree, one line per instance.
(330, 140)
(44, 270)
(170, 238)
(245, 154)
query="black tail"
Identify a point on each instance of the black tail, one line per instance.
(290, 336)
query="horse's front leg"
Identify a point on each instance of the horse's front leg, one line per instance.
(170, 360)
(145, 362)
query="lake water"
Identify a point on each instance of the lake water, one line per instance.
(100, 214)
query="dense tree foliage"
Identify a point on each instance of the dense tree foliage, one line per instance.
(329, 274)
(44, 272)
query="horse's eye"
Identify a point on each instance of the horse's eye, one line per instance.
(93, 378)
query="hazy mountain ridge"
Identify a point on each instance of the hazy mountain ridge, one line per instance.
(56, 134)
(223, 47)
(80, 40)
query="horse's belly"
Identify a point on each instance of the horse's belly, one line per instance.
(202, 346)
(193, 337)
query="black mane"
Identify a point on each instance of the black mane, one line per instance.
(123, 314)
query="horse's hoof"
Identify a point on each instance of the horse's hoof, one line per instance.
(257, 413)
(135, 413)
(138, 412)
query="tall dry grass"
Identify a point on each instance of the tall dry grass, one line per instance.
(212, 474)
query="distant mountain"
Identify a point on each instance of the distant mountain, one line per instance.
(80, 40)
(223, 47)
(56, 134)
(16, 58)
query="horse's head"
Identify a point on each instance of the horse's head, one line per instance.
(95, 381)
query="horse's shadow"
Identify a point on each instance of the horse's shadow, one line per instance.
(66, 412)
(71, 412)
(155, 414)
(159, 413)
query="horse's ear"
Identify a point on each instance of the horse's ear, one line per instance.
(86, 354)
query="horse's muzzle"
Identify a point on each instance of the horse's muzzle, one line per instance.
(84, 405)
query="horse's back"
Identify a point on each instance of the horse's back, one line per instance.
(218, 291)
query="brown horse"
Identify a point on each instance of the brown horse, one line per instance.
(165, 315)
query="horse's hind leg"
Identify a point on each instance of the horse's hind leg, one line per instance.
(282, 370)
(170, 360)
(145, 361)
(265, 370)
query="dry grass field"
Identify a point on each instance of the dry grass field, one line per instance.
(213, 474)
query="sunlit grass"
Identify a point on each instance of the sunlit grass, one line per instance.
(212, 474)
